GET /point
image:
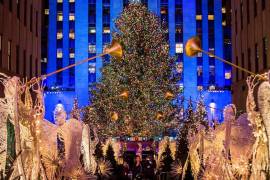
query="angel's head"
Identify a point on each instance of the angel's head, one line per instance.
(229, 112)
(60, 114)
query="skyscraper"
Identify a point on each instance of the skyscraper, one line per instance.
(20, 38)
(250, 43)
(81, 29)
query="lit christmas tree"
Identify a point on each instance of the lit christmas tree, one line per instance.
(167, 159)
(136, 92)
(110, 156)
(201, 114)
(187, 125)
(75, 112)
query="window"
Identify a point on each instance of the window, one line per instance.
(17, 59)
(106, 30)
(92, 68)
(223, 10)
(71, 55)
(24, 63)
(59, 34)
(249, 60)
(36, 23)
(18, 8)
(243, 64)
(92, 48)
(241, 14)
(265, 48)
(179, 67)
(10, 5)
(46, 11)
(255, 7)
(31, 17)
(263, 4)
(92, 30)
(59, 53)
(228, 75)
(248, 16)
(71, 16)
(198, 17)
(199, 70)
(30, 66)
(210, 6)
(37, 64)
(71, 34)
(236, 70)
(211, 17)
(257, 57)
(211, 75)
(92, 38)
(9, 55)
(59, 16)
(0, 50)
(25, 12)
(235, 17)
(179, 48)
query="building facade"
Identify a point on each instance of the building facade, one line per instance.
(20, 41)
(250, 43)
(79, 29)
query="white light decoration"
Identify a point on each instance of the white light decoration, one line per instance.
(212, 107)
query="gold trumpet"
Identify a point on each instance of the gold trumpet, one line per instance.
(115, 50)
(193, 47)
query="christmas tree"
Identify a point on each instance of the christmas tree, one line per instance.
(98, 151)
(75, 112)
(136, 92)
(167, 159)
(187, 125)
(110, 156)
(201, 114)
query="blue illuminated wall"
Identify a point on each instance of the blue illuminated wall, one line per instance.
(74, 38)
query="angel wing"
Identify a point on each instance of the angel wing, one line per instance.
(85, 147)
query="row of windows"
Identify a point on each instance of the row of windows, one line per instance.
(59, 34)
(164, 16)
(18, 60)
(256, 58)
(60, 16)
(248, 10)
(61, 1)
(25, 8)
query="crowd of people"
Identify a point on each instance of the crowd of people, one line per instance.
(141, 169)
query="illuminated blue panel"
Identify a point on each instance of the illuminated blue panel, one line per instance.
(153, 6)
(52, 43)
(81, 51)
(205, 42)
(219, 43)
(116, 9)
(190, 64)
(221, 98)
(66, 42)
(99, 29)
(171, 27)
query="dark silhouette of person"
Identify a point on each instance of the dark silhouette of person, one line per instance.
(149, 167)
(137, 169)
